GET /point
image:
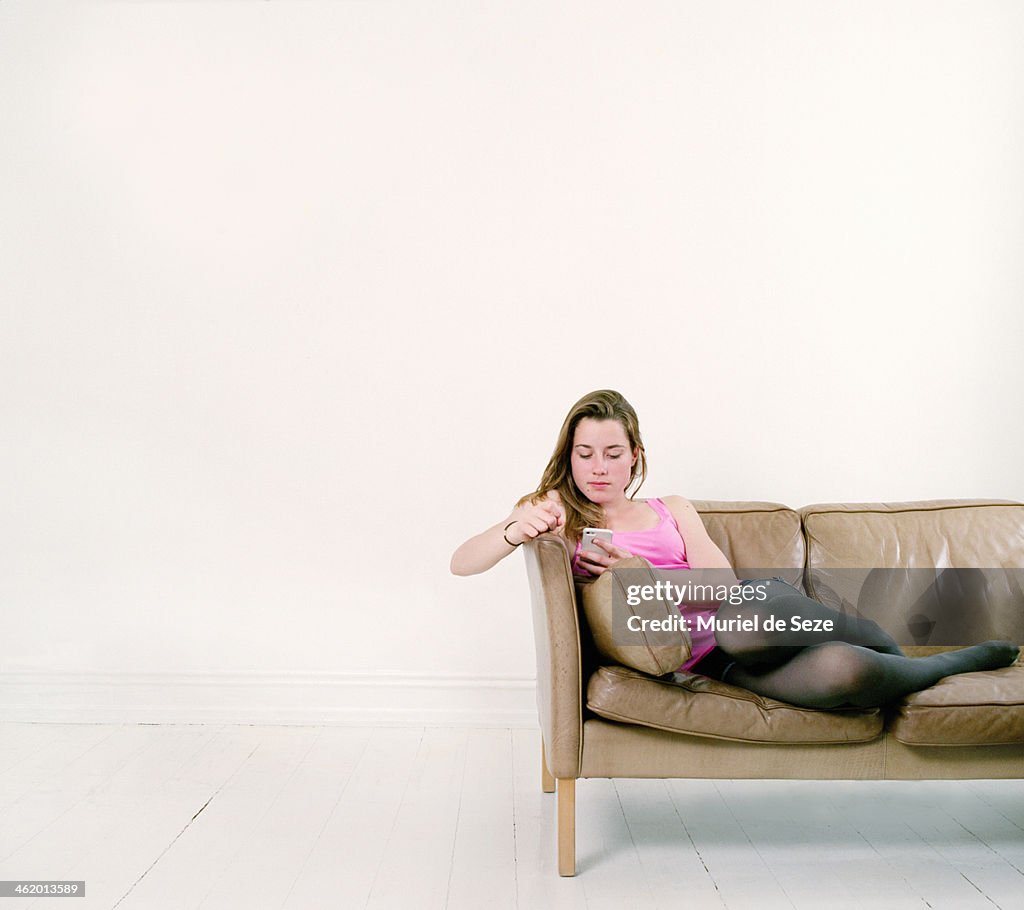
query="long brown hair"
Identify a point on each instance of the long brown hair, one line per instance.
(580, 512)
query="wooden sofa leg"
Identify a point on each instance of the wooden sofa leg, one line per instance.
(547, 781)
(566, 826)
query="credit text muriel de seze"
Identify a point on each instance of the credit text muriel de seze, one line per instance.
(734, 594)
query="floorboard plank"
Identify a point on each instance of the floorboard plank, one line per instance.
(36, 758)
(483, 858)
(144, 807)
(742, 877)
(418, 855)
(27, 823)
(340, 869)
(24, 745)
(217, 830)
(886, 815)
(670, 861)
(966, 848)
(607, 861)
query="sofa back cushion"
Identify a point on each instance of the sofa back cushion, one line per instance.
(941, 572)
(761, 539)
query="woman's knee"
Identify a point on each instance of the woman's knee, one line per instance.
(846, 673)
(743, 634)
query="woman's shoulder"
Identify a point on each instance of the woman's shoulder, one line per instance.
(676, 502)
(681, 508)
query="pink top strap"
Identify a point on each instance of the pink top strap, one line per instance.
(662, 546)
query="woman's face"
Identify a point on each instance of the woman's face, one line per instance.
(602, 460)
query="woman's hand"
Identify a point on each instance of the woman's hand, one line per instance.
(599, 563)
(534, 519)
(523, 523)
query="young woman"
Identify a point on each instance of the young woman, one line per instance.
(598, 457)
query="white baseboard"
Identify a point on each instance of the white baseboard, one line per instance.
(267, 698)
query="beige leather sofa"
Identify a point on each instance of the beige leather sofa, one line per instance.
(611, 721)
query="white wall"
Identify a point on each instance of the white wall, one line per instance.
(296, 295)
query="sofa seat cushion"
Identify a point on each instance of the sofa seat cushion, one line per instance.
(700, 706)
(970, 709)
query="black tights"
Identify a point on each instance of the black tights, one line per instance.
(856, 663)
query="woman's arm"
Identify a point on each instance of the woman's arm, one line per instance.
(701, 551)
(487, 549)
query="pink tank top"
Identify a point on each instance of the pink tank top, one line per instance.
(663, 547)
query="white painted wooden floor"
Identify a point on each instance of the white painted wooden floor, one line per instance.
(302, 818)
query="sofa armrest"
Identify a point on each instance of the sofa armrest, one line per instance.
(556, 632)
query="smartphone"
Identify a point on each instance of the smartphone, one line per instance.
(589, 534)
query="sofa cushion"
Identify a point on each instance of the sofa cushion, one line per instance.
(698, 705)
(760, 539)
(969, 709)
(651, 650)
(942, 572)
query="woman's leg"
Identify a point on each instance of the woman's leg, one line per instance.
(783, 604)
(834, 674)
